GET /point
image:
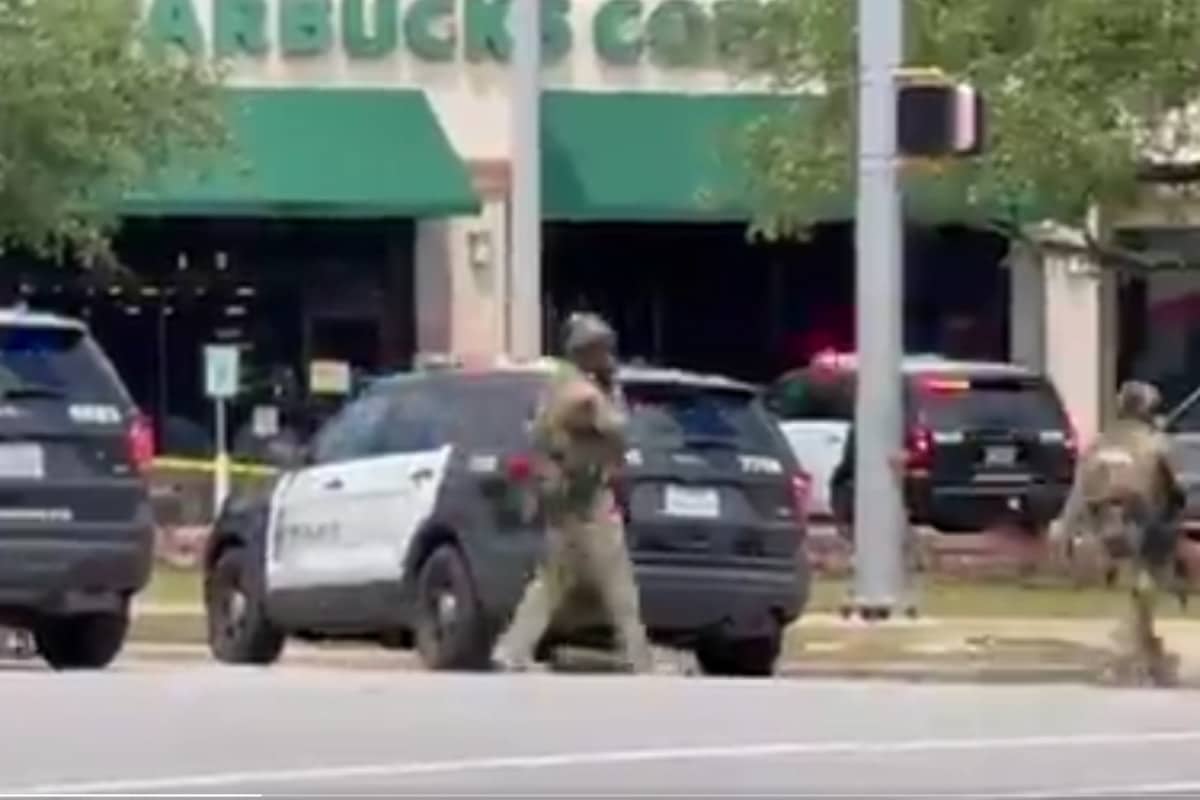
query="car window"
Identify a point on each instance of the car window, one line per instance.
(62, 361)
(496, 412)
(420, 417)
(813, 395)
(353, 432)
(1011, 403)
(680, 415)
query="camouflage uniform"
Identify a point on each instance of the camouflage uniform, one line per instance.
(1125, 498)
(578, 437)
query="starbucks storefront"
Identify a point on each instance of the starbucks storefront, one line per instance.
(363, 216)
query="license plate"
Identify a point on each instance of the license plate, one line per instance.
(680, 501)
(1001, 456)
(22, 461)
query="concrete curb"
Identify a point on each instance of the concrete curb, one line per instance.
(942, 673)
(908, 672)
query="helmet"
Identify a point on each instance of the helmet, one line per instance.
(1138, 400)
(583, 330)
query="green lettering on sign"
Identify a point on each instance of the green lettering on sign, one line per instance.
(487, 30)
(174, 22)
(730, 18)
(421, 26)
(677, 34)
(305, 27)
(616, 32)
(380, 41)
(240, 26)
(556, 30)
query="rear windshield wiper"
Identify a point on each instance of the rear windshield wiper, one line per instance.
(31, 390)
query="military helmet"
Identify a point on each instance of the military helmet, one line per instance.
(1138, 400)
(583, 330)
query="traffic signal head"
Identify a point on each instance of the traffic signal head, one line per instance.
(939, 119)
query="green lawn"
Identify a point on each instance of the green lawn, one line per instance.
(941, 598)
(171, 586)
(950, 598)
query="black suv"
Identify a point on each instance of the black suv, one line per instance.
(410, 521)
(985, 443)
(76, 529)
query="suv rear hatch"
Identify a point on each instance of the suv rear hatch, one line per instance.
(709, 480)
(981, 429)
(69, 440)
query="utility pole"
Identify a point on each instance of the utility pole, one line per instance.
(525, 217)
(880, 522)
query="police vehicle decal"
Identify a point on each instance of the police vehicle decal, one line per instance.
(351, 523)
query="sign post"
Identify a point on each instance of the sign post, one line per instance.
(221, 370)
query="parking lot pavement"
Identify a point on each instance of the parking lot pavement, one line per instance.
(206, 729)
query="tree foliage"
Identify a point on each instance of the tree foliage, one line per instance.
(89, 110)
(1081, 94)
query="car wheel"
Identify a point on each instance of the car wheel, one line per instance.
(239, 631)
(739, 657)
(451, 631)
(82, 641)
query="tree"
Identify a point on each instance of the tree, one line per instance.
(1082, 95)
(90, 110)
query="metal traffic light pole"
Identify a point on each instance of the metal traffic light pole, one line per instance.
(880, 522)
(525, 213)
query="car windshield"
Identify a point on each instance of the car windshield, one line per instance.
(1014, 404)
(680, 415)
(56, 363)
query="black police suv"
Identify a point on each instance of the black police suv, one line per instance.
(985, 443)
(76, 529)
(409, 522)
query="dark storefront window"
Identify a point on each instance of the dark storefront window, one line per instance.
(286, 291)
(1159, 312)
(702, 296)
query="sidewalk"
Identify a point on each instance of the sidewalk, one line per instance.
(970, 649)
(826, 646)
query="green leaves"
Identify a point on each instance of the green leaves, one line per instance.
(88, 111)
(1080, 93)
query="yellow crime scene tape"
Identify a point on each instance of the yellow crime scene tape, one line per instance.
(246, 469)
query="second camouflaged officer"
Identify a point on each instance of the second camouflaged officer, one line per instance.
(1126, 496)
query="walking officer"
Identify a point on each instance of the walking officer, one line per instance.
(1126, 498)
(579, 446)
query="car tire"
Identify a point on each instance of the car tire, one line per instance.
(239, 631)
(748, 658)
(81, 641)
(451, 631)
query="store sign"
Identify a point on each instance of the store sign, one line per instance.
(669, 33)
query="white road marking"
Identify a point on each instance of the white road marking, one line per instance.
(1100, 792)
(401, 769)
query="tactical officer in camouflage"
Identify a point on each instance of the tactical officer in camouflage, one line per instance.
(579, 441)
(1126, 498)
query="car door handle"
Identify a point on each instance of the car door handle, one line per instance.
(421, 475)
(333, 484)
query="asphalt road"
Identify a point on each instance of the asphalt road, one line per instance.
(202, 729)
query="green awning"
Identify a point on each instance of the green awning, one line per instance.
(649, 156)
(645, 156)
(365, 153)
